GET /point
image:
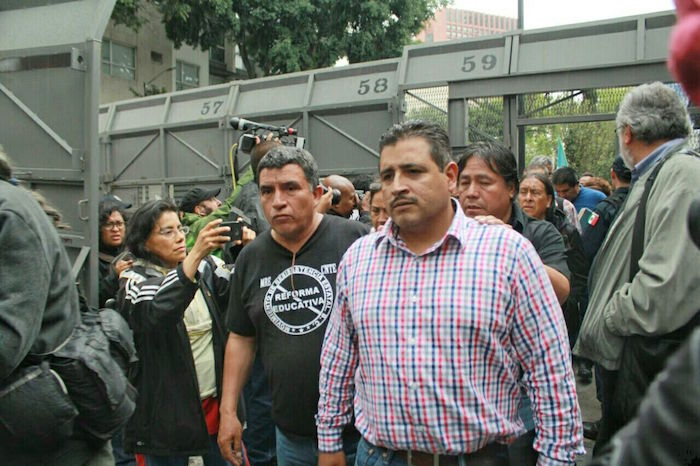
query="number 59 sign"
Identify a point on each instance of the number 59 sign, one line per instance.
(485, 62)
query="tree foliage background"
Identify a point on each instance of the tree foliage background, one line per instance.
(276, 37)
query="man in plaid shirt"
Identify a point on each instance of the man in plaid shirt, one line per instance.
(437, 321)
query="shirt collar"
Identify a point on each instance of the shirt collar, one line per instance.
(517, 218)
(650, 160)
(457, 231)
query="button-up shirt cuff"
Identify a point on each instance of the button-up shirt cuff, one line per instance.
(546, 461)
(330, 439)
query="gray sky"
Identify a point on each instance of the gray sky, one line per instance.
(546, 13)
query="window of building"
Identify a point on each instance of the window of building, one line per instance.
(118, 60)
(217, 53)
(186, 76)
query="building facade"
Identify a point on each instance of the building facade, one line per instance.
(146, 62)
(453, 23)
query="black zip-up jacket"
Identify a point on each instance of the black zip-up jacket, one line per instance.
(169, 419)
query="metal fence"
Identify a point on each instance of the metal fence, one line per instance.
(582, 118)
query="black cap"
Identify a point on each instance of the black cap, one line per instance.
(196, 195)
(621, 170)
(110, 201)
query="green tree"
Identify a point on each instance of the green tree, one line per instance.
(276, 37)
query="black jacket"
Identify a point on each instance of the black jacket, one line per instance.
(605, 211)
(109, 282)
(169, 419)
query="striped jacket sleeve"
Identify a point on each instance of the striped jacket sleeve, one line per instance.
(149, 302)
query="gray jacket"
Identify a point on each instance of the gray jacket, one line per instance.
(38, 297)
(664, 294)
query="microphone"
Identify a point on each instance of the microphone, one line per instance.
(242, 124)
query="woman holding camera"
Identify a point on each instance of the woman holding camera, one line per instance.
(174, 303)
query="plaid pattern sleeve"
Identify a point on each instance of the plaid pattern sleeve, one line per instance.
(431, 349)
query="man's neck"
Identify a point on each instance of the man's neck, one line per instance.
(420, 239)
(641, 150)
(296, 243)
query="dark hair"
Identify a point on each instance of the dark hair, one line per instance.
(105, 213)
(623, 172)
(258, 152)
(548, 189)
(141, 226)
(433, 133)
(279, 156)
(497, 156)
(363, 181)
(654, 112)
(565, 175)
(601, 184)
(374, 188)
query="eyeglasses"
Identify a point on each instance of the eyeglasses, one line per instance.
(170, 233)
(113, 225)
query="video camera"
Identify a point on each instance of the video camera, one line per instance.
(254, 133)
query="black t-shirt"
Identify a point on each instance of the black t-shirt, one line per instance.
(544, 237)
(287, 308)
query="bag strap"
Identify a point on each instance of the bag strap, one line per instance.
(640, 219)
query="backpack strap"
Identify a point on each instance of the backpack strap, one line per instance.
(640, 219)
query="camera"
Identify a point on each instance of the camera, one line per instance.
(335, 200)
(256, 133)
(236, 232)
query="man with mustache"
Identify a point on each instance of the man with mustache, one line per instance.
(438, 319)
(282, 293)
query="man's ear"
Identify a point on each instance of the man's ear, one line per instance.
(198, 209)
(317, 191)
(450, 172)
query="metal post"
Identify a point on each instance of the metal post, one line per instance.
(457, 122)
(521, 14)
(93, 166)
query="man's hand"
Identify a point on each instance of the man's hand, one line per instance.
(229, 438)
(331, 459)
(325, 202)
(491, 220)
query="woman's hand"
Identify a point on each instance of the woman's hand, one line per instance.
(122, 265)
(211, 237)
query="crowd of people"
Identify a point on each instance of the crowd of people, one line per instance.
(442, 314)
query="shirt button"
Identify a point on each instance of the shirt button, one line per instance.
(414, 386)
(414, 299)
(411, 341)
(420, 429)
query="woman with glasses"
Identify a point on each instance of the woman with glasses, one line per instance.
(112, 232)
(174, 303)
(536, 198)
